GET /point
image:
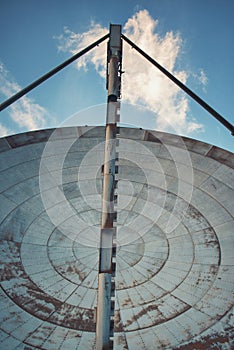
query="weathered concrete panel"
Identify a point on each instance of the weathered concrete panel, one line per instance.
(174, 246)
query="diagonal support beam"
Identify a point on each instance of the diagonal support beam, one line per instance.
(37, 82)
(215, 114)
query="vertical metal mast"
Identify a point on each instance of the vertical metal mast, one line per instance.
(105, 308)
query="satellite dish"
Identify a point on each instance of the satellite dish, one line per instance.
(174, 246)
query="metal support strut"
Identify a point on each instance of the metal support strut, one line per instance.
(209, 109)
(105, 307)
(46, 76)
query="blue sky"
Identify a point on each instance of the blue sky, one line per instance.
(193, 39)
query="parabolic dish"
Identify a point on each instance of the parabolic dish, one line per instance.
(174, 278)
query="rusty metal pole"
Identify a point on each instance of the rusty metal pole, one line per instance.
(105, 307)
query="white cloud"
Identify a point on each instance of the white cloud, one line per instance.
(74, 42)
(4, 131)
(202, 77)
(27, 114)
(142, 83)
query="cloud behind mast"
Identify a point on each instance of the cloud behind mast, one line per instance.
(142, 83)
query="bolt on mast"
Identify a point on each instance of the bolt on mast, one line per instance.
(106, 287)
